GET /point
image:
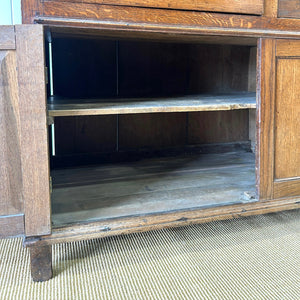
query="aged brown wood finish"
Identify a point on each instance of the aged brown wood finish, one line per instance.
(41, 262)
(278, 121)
(159, 221)
(289, 9)
(32, 94)
(254, 7)
(11, 202)
(7, 38)
(165, 21)
(265, 118)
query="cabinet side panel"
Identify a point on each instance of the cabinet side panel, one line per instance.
(34, 140)
(287, 119)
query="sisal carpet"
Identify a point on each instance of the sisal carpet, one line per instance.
(251, 258)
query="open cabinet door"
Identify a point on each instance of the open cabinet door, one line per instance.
(11, 201)
(24, 163)
(278, 152)
(34, 134)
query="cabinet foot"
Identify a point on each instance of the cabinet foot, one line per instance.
(41, 262)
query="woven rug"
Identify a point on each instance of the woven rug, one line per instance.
(250, 258)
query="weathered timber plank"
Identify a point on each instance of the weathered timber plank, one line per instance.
(7, 38)
(34, 136)
(158, 221)
(12, 226)
(165, 21)
(254, 7)
(74, 107)
(265, 118)
(151, 186)
(11, 201)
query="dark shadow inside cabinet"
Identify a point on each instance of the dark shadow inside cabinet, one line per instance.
(144, 127)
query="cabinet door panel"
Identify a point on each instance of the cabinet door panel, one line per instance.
(34, 135)
(279, 119)
(11, 202)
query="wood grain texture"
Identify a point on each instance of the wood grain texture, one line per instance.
(289, 9)
(30, 9)
(137, 19)
(271, 8)
(254, 7)
(91, 134)
(11, 201)
(218, 127)
(287, 48)
(151, 186)
(287, 118)
(76, 107)
(286, 188)
(152, 131)
(34, 139)
(41, 263)
(158, 221)
(265, 118)
(7, 38)
(12, 226)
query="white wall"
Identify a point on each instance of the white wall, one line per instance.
(10, 12)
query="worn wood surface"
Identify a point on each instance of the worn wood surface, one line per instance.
(287, 118)
(12, 225)
(218, 127)
(11, 201)
(41, 263)
(265, 118)
(165, 21)
(289, 9)
(80, 107)
(287, 188)
(7, 38)
(252, 88)
(34, 140)
(254, 7)
(158, 221)
(287, 48)
(151, 131)
(91, 134)
(88, 33)
(271, 8)
(150, 186)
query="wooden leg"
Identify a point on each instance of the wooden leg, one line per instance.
(41, 263)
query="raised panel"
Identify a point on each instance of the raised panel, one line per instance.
(289, 8)
(11, 202)
(287, 119)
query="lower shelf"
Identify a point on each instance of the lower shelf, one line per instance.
(151, 186)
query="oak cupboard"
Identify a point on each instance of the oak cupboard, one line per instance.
(119, 117)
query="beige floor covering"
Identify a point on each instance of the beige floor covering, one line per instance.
(250, 258)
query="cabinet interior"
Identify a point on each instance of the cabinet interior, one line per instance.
(149, 126)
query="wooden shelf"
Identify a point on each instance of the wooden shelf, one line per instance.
(150, 186)
(58, 107)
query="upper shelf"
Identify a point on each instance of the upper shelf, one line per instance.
(58, 107)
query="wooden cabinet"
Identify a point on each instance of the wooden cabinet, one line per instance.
(140, 118)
